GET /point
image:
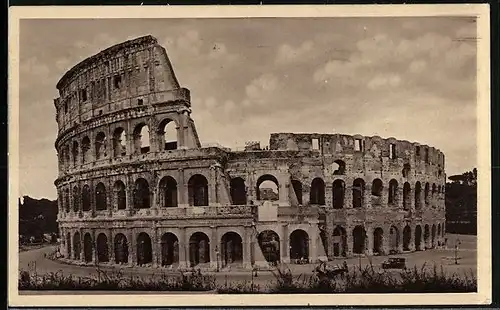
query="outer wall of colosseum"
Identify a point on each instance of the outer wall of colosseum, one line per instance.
(129, 195)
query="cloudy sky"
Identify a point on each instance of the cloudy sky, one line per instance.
(411, 78)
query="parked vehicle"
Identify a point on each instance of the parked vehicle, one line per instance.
(394, 263)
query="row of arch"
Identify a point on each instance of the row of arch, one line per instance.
(141, 194)
(198, 193)
(429, 237)
(80, 152)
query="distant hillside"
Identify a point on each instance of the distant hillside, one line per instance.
(37, 217)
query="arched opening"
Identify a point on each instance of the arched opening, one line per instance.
(141, 194)
(393, 192)
(168, 192)
(340, 169)
(100, 197)
(358, 193)
(120, 195)
(406, 238)
(359, 240)
(75, 153)
(100, 146)
(66, 199)
(85, 150)
(238, 191)
(378, 241)
(199, 249)
(406, 170)
(68, 244)
(231, 249)
(76, 200)
(297, 189)
(426, 193)
(418, 238)
(144, 249)
(338, 189)
(198, 190)
(119, 142)
(299, 246)
(168, 132)
(393, 240)
(102, 248)
(269, 243)
(169, 249)
(267, 188)
(121, 249)
(433, 236)
(76, 246)
(418, 190)
(317, 195)
(339, 242)
(87, 247)
(86, 198)
(141, 139)
(377, 187)
(427, 234)
(406, 196)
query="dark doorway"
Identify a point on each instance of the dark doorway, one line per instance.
(144, 249)
(199, 249)
(269, 243)
(299, 246)
(231, 248)
(102, 248)
(121, 249)
(169, 249)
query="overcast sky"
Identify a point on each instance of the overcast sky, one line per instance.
(410, 78)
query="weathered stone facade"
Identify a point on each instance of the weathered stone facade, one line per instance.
(127, 195)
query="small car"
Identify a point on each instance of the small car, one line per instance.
(394, 263)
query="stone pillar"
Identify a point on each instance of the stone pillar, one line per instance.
(250, 186)
(182, 189)
(212, 186)
(348, 196)
(285, 247)
(214, 248)
(400, 238)
(313, 245)
(82, 245)
(156, 247)
(131, 247)
(183, 248)
(109, 199)
(412, 239)
(349, 241)
(111, 246)
(367, 196)
(400, 197)
(247, 244)
(129, 193)
(284, 185)
(328, 194)
(369, 240)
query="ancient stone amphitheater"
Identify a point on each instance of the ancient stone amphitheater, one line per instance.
(131, 194)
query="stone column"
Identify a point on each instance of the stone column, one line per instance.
(129, 193)
(367, 196)
(400, 238)
(349, 241)
(328, 194)
(369, 240)
(284, 185)
(348, 196)
(131, 247)
(247, 243)
(313, 246)
(111, 246)
(82, 245)
(109, 199)
(156, 247)
(412, 245)
(212, 187)
(285, 247)
(250, 186)
(181, 130)
(214, 248)
(183, 248)
(182, 189)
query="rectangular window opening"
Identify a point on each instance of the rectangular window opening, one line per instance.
(417, 151)
(358, 145)
(140, 101)
(315, 144)
(392, 151)
(117, 82)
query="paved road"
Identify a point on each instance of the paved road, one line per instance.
(35, 260)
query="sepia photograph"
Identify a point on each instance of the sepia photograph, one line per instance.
(228, 153)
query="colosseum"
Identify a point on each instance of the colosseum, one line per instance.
(130, 193)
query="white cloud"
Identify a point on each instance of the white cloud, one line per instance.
(287, 53)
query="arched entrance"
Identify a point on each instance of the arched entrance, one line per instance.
(427, 234)
(100, 197)
(267, 188)
(378, 241)
(231, 248)
(76, 246)
(199, 249)
(87, 247)
(406, 196)
(339, 242)
(317, 195)
(141, 194)
(121, 249)
(269, 243)
(299, 245)
(198, 190)
(418, 238)
(338, 194)
(144, 249)
(168, 192)
(169, 249)
(102, 248)
(418, 191)
(358, 193)
(359, 240)
(406, 238)
(393, 240)
(120, 195)
(238, 191)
